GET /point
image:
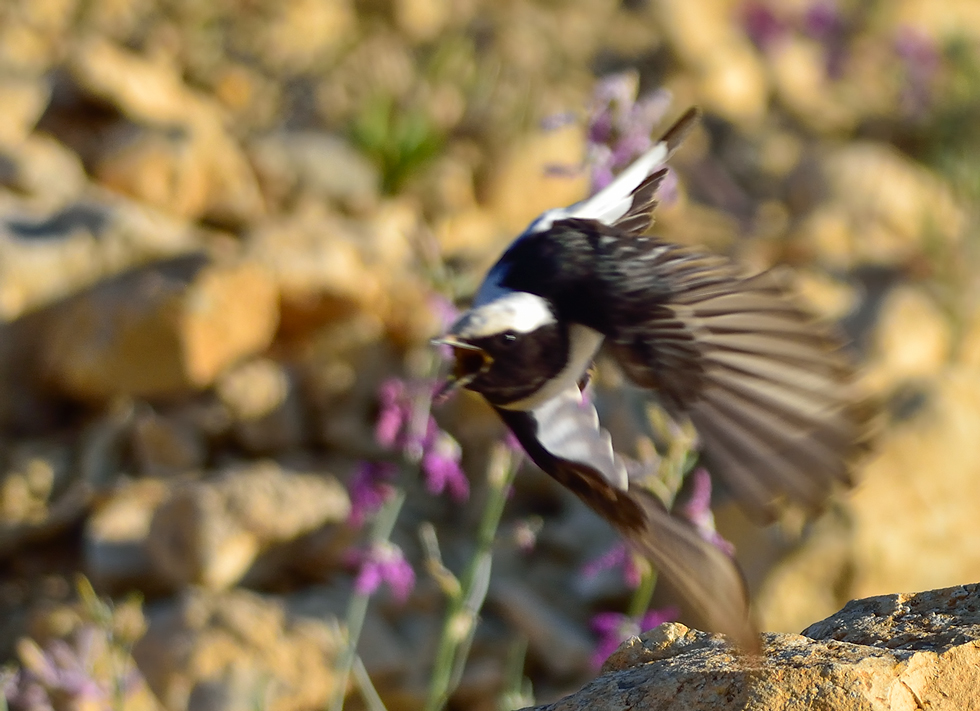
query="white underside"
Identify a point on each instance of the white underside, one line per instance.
(583, 345)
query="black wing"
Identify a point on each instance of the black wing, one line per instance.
(563, 437)
(767, 388)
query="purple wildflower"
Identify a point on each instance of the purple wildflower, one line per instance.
(617, 556)
(615, 628)
(512, 443)
(60, 674)
(762, 25)
(380, 563)
(921, 60)
(823, 21)
(440, 464)
(697, 510)
(444, 309)
(404, 422)
(620, 125)
(369, 488)
(393, 414)
(447, 313)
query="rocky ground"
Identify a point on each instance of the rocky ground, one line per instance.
(224, 225)
(887, 653)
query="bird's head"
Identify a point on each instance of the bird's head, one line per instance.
(508, 348)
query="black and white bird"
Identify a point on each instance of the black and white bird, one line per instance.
(767, 389)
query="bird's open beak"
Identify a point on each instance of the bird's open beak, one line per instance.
(470, 362)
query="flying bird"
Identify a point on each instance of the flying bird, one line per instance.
(767, 388)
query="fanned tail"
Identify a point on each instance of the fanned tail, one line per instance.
(704, 577)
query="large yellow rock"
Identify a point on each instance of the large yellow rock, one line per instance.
(161, 330)
(521, 188)
(883, 208)
(731, 77)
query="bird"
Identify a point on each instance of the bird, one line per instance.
(769, 390)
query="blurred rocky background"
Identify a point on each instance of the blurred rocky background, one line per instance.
(223, 224)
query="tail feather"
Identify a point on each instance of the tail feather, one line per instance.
(705, 577)
(707, 581)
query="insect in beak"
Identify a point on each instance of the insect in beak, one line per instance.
(470, 363)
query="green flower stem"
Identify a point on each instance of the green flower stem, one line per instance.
(674, 466)
(358, 604)
(640, 601)
(517, 692)
(370, 695)
(463, 610)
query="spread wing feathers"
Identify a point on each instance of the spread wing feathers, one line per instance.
(706, 578)
(617, 201)
(767, 388)
(639, 217)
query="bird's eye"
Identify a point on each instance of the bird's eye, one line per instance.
(507, 338)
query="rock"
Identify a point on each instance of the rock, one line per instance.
(291, 38)
(166, 446)
(319, 265)
(955, 18)
(46, 254)
(185, 152)
(905, 526)
(330, 268)
(166, 169)
(521, 188)
(32, 37)
(297, 166)
(884, 209)
(210, 532)
(915, 508)
(887, 653)
(422, 20)
(205, 647)
(731, 78)
(43, 169)
(35, 473)
(912, 340)
(799, 73)
(968, 352)
(39, 493)
(148, 92)
(116, 555)
(23, 100)
(263, 400)
(162, 330)
(831, 299)
(470, 235)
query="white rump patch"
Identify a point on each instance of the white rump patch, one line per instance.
(516, 311)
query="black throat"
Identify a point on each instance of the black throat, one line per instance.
(521, 367)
